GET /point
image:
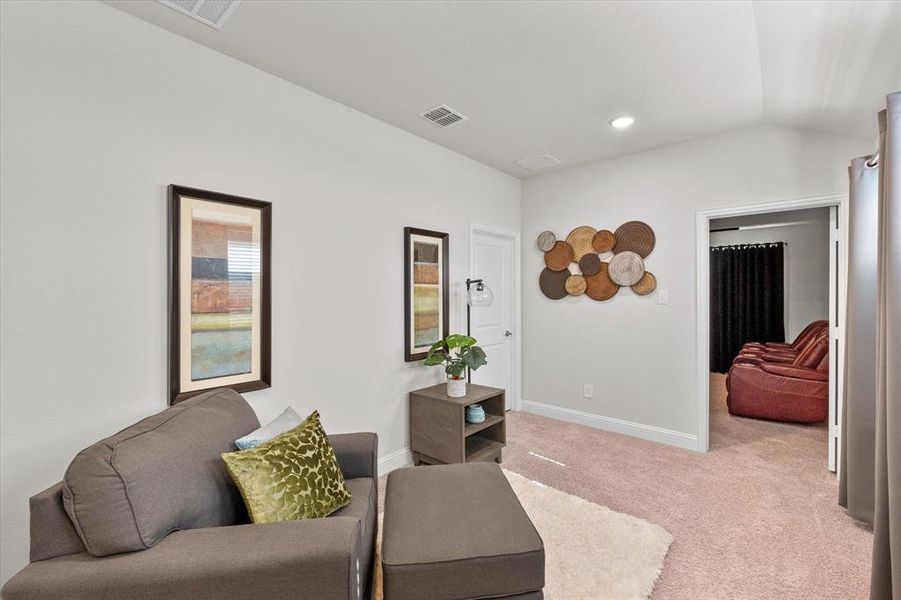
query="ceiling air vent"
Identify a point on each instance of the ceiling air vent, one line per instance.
(209, 12)
(443, 116)
(536, 163)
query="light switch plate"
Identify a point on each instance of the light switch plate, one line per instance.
(588, 390)
(662, 296)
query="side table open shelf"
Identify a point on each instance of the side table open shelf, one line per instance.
(439, 433)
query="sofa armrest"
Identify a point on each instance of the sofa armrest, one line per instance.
(756, 347)
(780, 352)
(778, 345)
(795, 372)
(772, 357)
(747, 359)
(768, 353)
(357, 454)
(314, 558)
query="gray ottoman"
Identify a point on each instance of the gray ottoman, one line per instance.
(454, 532)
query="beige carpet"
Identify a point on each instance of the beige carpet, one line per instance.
(591, 552)
(755, 518)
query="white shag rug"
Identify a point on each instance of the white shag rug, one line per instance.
(590, 551)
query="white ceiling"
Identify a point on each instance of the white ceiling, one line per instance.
(545, 77)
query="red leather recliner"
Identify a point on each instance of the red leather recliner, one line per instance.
(797, 392)
(803, 338)
(781, 353)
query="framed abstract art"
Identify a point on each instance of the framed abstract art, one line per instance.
(219, 292)
(426, 296)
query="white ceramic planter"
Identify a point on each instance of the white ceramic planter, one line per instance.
(456, 388)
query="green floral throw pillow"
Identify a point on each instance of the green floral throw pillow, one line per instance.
(293, 476)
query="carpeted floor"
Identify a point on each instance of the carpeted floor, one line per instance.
(756, 517)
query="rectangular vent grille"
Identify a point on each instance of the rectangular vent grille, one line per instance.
(209, 12)
(443, 116)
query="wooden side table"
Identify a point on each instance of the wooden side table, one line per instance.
(439, 433)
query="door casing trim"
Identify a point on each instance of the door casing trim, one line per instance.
(702, 294)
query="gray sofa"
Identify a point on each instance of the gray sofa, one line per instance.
(151, 512)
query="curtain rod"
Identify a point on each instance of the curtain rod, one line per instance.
(754, 245)
(761, 226)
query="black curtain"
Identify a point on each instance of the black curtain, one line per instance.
(746, 299)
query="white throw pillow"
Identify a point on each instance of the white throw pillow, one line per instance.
(282, 423)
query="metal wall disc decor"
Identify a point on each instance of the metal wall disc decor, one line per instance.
(600, 287)
(575, 285)
(634, 236)
(590, 264)
(597, 262)
(558, 257)
(553, 283)
(645, 285)
(580, 240)
(603, 241)
(626, 268)
(546, 240)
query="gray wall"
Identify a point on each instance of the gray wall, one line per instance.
(806, 259)
(641, 356)
(99, 111)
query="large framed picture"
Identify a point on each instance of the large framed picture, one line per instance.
(426, 296)
(220, 256)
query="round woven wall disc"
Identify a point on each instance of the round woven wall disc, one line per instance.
(590, 264)
(580, 239)
(575, 285)
(645, 285)
(626, 268)
(603, 241)
(636, 237)
(553, 283)
(546, 240)
(558, 257)
(600, 287)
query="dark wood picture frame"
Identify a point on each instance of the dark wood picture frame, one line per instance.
(409, 355)
(176, 192)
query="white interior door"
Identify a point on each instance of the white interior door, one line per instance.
(492, 261)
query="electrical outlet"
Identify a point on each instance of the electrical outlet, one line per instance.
(662, 296)
(588, 390)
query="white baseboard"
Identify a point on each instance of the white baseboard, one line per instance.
(639, 430)
(395, 460)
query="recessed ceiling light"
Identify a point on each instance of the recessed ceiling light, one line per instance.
(622, 122)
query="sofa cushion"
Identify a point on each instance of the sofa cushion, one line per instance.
(130, 490)
(292, 476)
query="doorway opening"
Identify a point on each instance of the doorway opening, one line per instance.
(770, 308)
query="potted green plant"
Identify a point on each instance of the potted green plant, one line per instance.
(457, 353)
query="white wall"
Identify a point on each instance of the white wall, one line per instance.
(99, 112)
(806, 259)
(640, 355)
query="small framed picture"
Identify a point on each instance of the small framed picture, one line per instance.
(426, 295)
(220, 254)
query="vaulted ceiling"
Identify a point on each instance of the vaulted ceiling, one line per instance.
(546, 77)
